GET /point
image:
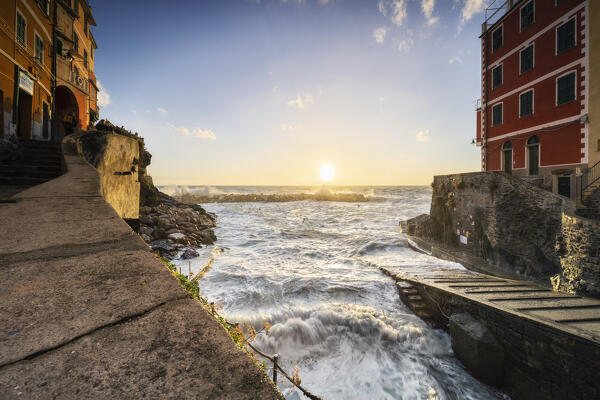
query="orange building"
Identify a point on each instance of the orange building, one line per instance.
(45, 90)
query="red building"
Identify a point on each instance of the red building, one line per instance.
(533, 119)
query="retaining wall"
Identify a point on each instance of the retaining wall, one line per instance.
(516, 227)
(540, 362)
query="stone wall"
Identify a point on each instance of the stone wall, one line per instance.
(116, 157)
(540, 362)
(516, 227)
(579, 252)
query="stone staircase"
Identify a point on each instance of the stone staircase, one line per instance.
(590, 196)
(34, 162)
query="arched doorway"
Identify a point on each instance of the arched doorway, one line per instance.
(533, 150)
(507, 157)
(65, 105)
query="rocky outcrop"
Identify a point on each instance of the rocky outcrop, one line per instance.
(172, 227)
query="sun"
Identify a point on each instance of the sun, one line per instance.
(327, 173)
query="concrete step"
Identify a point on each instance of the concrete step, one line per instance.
(415, 297)
(31, 171)
(21, 181)
(590, 213)
(418, 306)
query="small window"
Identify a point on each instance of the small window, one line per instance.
(497, 39)
(526, 104)
(526, 15)
(565, 89)
(39, 50)
(85, 25)
(59, 47)
(565, 36)
(21, 30)
(497, 115)
(76, 6)
(85, 59)
(527, 59)
(75, 42)
(497, 76)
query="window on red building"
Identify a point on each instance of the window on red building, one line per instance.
(565, 89)
(526, 15)
(507, 156)
(497, 76)
(497, 115)
(526, 103)
(565, 36)
(497, 39)
(527, 59)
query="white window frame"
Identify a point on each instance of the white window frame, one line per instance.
(573, 71)
(556, 53)
(533, 58)
(35, 37)
(17, 28)
(501, 114)
(532, 102)
(521, 15)
(501, 26)
(501, 65)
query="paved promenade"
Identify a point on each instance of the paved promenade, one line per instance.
(88, 312)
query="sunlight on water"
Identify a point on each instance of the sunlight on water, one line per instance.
(311, 270)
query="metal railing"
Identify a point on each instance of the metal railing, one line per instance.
(589, 177)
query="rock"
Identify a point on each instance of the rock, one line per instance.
(178, 237)
(146, 238)
(146, 220)
(189, 253)
(206, 236)
(146, 230)
(161, 246)
(159, 233)
(172, 231)
(476, 347)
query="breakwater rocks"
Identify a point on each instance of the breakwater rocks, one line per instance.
(173, 227)
(273, 197)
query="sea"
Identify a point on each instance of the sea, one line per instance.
(310, 269)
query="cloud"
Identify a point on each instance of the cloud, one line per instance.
(455, 60)
(398, 12)
(423, 136)
(103, 98)
(406, 44)
(134, 112)
(290, 128)
(301, 101)
(162, 111)
(195, 132)
(396, 8)
(379, 34)
(428, 6)
(470, 8)
(275, 89)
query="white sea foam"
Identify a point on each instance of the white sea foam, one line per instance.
(311, 270)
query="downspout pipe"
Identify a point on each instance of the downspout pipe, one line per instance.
(53, 89)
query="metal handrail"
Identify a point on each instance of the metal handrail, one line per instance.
(589, 177)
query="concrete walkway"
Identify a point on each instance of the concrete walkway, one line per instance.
(87, 311)
(573, 315)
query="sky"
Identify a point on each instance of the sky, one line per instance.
(266, 92)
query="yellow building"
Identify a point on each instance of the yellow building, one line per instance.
(39, 80)
(594, 89)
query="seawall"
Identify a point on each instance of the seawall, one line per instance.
(514, 227)
(90, 312)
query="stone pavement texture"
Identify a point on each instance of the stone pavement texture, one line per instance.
(87, 311)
